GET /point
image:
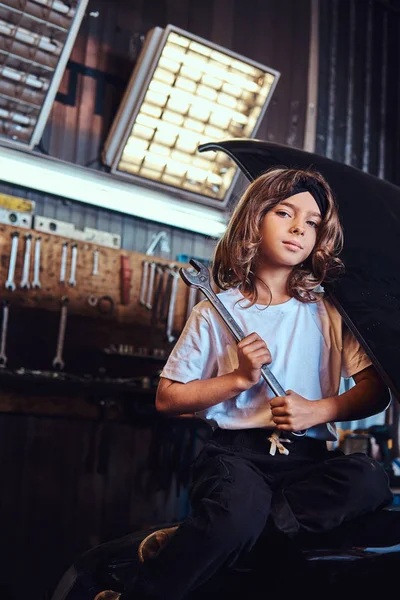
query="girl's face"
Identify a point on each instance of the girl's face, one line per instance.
(289, 231)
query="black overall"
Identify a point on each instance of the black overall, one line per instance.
(237, 485)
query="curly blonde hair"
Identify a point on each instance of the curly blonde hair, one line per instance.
(236, 252)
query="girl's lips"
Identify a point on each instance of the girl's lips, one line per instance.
(293, 245)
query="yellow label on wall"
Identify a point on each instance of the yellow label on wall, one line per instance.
(14, 203)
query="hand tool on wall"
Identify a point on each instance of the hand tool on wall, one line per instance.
(143, 286)
(163, 314)
(27, 263)
(200, 278)
(10, 284)
(63, 266)
(74, 257)
(95, 270)
(171, 306)
(58, 362)
(126, 279)
(160, 238)
(149, 299)
(36, 265)
(3, 339)
(158, 294)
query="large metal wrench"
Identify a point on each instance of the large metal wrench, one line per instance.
(201, 279)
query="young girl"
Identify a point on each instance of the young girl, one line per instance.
(281, 243)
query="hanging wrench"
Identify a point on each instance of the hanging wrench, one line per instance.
(63, 267)
(36, 265)
(10, 284)
(72, 278)
(58, 362)
(166, 296)
(171, 307)
(3, 339)
(143, 287)
(27, 263)
(95, 262)
(149, 300)
(157, 295)
(201, 280)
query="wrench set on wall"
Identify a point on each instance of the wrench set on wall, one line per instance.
(30, 240)
(73, 263)
(141, 295)
(25, 282)
(30, 279)
(158, 294)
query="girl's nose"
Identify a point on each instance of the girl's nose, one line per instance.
(298, 229)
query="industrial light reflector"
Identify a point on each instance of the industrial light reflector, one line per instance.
(185, 91)
(36, 38)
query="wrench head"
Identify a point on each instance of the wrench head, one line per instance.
(200, 277)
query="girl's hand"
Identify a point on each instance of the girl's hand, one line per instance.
(293, 412)
(252, 354)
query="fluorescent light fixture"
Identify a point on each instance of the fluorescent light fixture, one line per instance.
(183, 92)
(36, 39)
(52, 176)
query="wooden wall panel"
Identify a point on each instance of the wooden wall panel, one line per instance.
(106, 283)
(34, 313)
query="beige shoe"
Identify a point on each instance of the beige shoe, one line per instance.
(107, 595)
(152, 544)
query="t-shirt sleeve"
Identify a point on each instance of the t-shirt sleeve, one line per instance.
(354, 358)
(194, 355)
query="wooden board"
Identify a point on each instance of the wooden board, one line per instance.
(106, 283)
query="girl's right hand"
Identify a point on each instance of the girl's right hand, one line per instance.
(252, 354)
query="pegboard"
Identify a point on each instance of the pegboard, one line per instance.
(88, 286)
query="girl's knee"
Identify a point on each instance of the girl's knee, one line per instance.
(240, 529)
(369, 475)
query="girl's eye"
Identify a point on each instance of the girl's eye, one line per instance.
(313, 224)
(283, 212)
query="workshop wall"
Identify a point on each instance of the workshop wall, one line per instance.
(83, 454)
(358, 92)
(115, 302)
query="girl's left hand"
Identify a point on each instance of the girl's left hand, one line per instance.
(293, 412)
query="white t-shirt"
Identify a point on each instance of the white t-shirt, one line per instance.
(311, 350)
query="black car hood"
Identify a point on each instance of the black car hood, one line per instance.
(368, 294)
